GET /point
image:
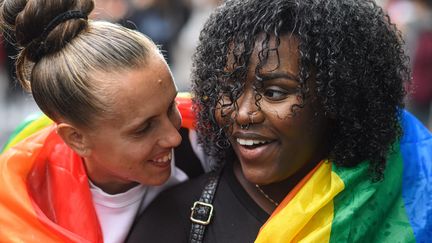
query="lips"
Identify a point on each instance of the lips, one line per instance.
(162, 160)
(252, 146)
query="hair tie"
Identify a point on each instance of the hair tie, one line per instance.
(72, 14)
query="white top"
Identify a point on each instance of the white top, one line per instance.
(117, 212)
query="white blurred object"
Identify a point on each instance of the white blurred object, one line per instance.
(109, 10)
(187, 41)
(402, 13)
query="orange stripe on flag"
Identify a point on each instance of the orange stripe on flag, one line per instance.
(306, 214)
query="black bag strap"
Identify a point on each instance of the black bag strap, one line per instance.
(202, 210)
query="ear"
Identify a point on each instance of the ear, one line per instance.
(74, 138)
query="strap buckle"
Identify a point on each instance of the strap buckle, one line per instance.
(201, 213)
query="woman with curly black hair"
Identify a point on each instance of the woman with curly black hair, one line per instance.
(300, 107)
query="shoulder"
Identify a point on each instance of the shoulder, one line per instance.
(415, 144)
(416, 155)
(184, 192)
(170, 210)
(413, 130)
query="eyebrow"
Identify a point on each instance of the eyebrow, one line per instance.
(272, 75)
(148, 119)
(140, 124)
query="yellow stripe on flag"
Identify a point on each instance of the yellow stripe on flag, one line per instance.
(36, 125)
(308, 216)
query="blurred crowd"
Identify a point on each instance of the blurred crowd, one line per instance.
(414, 19)
(175, 26)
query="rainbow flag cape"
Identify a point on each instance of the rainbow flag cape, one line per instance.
(44, 191)
(334, 204)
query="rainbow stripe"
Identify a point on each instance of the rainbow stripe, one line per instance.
(334, 204)
(45, 195)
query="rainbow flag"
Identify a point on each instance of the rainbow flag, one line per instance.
(44, 193)
(334, 204)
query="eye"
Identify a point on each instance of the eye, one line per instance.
(143, 130)
(275, 93)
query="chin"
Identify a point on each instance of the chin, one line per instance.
(156, 180)
(259, 177)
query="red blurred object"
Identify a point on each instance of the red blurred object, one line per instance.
(184, 104)
(422, 69)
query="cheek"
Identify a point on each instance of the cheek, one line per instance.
(135, 150)
(223, 118)
(224, 112)
(283, 111)
(218, 115)
(138, 155)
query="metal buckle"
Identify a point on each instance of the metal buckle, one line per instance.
(201, 209)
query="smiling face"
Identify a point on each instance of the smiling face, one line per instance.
(271, 142)
(134, 144)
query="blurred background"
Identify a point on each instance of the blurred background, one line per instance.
(175, 26)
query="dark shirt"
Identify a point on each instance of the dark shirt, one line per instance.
(185, 157)
(237, 218)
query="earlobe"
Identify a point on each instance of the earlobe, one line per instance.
(74, 138)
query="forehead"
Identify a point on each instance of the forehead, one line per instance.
(270, 52)
(141, 90)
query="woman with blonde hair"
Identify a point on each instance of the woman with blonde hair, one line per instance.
(111, 96)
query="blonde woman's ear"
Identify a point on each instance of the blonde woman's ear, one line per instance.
(74, 138)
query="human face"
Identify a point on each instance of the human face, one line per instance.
(276, 143)
(135, 143)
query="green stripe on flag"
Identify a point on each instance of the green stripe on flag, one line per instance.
(371, 212)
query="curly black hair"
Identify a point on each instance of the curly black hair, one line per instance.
(354, 50)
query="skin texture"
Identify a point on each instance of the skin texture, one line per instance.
(121, 151)
(294, 139)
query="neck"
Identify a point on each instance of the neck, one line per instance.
(251, 189)
(105, 181)
(277, 191)
(112, 187)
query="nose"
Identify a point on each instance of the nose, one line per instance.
(248, 111)
(171, 137)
